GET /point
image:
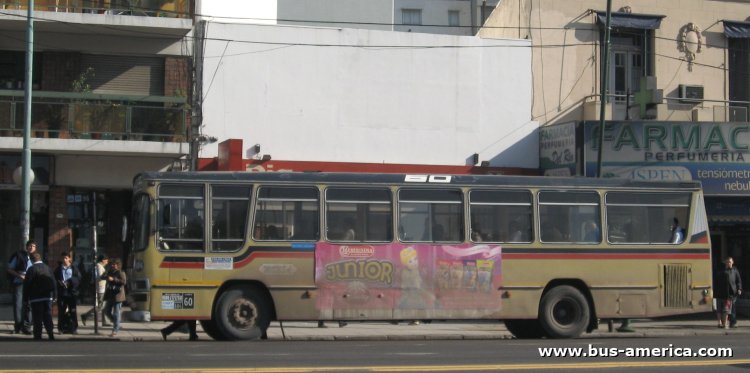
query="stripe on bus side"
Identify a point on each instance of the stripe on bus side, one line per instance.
(197, 262)
(607, 253)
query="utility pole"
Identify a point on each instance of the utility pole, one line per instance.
(603, 99)
(27, 175)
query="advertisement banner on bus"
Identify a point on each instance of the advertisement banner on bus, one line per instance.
(717, 154)
(408, 276)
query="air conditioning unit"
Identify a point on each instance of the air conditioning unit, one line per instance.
(691, 93)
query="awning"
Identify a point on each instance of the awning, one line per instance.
(630, 20)
(736, 29)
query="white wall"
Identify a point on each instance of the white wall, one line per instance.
(367, 14)
(241, 11)
(304, 96)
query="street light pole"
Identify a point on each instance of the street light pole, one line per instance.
(26, 173)
(603, 99)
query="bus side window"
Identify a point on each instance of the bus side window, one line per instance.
(645, 217)
(500, 215)
(431, 215)
(182, 221)
(359, 214)
(286, 213)
(229, 213)
(563, 214)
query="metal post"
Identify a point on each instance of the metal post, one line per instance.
(603, 93)
(26, 157)
(96, 279)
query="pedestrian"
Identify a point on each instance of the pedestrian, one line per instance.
(40, 290)
(176, 325)
(101, 284)
(18, 264)
(68, 279)
(733, 311)
(728, 287)
(114, 294)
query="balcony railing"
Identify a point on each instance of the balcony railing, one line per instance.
(95, 116)
(147, 8)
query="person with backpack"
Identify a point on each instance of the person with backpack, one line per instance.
(18, 263)
(114, 294)
(68, 281)
(40, 290)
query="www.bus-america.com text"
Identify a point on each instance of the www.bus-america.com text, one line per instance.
(668, 351)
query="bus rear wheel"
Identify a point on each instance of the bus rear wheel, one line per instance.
(564, 312)
(242, 313)
(525, 329)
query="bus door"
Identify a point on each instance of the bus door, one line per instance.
(181, 239)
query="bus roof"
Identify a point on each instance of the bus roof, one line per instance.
(413, 179)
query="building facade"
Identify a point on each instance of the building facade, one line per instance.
(451, 17)
(677, 100)
(111, 93)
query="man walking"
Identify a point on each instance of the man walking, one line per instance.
(728, 287)
(18, 263)
(40, 290)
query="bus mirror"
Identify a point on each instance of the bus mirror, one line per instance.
(166, 216)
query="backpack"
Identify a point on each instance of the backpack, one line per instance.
(20, 264)
(44, 281)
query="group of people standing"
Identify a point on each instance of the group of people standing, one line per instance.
(35, 287)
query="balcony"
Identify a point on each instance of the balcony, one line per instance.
(64, 115)
(146, 8)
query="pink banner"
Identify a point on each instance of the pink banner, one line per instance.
(408, 277)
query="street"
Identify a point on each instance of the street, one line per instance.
(411, 355)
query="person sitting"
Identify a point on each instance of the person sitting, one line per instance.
(349, 233)
(678, 233)
(592, 232)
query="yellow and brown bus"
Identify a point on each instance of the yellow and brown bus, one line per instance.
(549, 256)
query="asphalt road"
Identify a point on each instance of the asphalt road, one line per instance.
(352, 356)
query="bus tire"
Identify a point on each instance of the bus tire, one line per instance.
(209, 326)
(564, 312)
(525, 329)
(242, 313)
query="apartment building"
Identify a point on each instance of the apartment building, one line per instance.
(677, 99)
(111, 97)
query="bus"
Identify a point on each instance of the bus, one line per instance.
(549, 256)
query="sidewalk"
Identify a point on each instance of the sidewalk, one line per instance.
(704, 324)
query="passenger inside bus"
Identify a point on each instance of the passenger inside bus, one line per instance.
(515, 232)
(678, 233)
(591, 230)
(349, 233)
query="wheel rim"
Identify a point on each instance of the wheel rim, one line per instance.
(566, 312)
(243, 314)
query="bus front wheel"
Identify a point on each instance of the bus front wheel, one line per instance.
(242, 313)
(564, 312)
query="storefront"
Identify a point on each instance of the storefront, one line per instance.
(62, 217)
(715, 153)
(10, 207)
